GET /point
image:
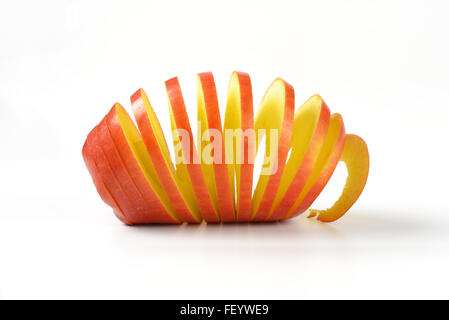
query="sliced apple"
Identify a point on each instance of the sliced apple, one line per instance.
(110, 151)
(275, 115)
(138, 164)
(188, 162)
(184, 203)
(134, 174)
(309, 130)
(356, 157)
(239, 142)
(211, 147)
(325, 165)
(102, 190)
(108, 175)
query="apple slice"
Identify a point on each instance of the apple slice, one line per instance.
(309, 130)
(187, 160)
(356, 157)
(275, 115)
(143, 213)
(103, 191)
(325, 165)
(184, 204)
(127, 186)
(239, 142)
(138, 165)
(211, 147)
(109, 177)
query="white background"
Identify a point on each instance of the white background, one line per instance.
(384, 65)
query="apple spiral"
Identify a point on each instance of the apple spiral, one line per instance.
(133, 171)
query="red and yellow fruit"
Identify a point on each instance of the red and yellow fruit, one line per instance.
(133, 172)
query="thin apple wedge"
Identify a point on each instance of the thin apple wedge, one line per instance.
(239, 140)
(136, 161)
(211, 147)
(102, 189)
(188, 161)
(325, 165)
(309, 130)
(184, 204)
(274, 119)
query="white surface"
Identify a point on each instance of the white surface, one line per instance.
(383, 65)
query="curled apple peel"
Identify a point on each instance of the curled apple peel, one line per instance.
(212, 180)
(355, 156)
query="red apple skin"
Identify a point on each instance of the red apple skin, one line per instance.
(142, 211)
(283, 149)
(158, 160)
(192, 161)
(247, 167)
(306, 166)
(117, 166)
(225, 202)
(108, 176)
(151, 208)
(324, 176)
(102, 190)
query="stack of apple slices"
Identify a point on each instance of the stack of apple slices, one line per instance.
(134, 174)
